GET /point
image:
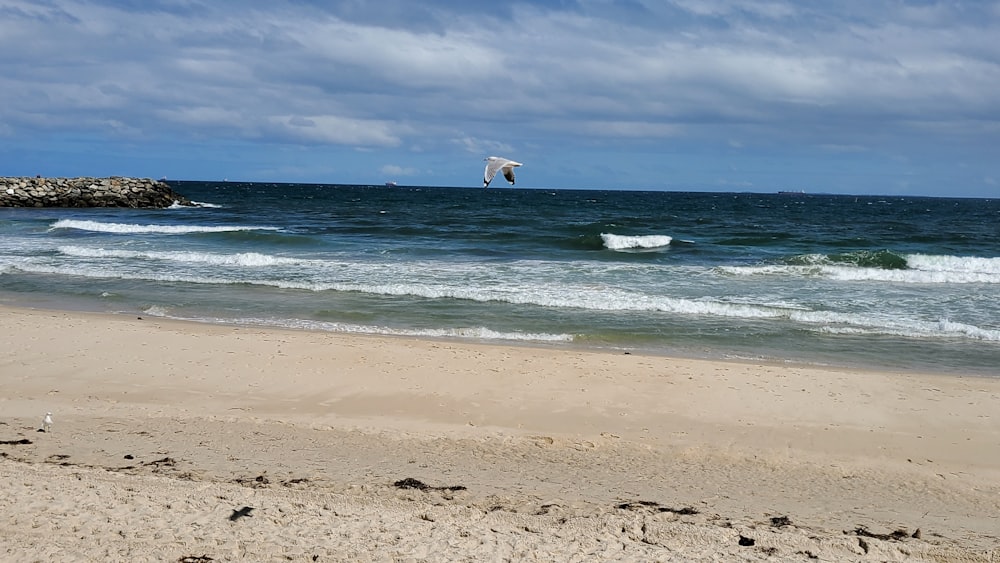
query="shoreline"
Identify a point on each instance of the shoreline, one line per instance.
(579, 449)
(88, 305)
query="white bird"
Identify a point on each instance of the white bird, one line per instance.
(495, 164)
(47, 422)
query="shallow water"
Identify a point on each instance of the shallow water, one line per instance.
(884, 282)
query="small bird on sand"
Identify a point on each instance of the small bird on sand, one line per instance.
(495, 164)
(46, 422)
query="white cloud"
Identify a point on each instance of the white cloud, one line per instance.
(718, 8)
(204, 116)
(398, 56)
(396, 171)
(618, 129)
(269, 61)
(443, 77)
(334, 129)
(474, 145)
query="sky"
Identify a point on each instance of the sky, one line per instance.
(894, 97)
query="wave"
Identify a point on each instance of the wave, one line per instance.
(526, 284)
(918, 329)
(125, 228)
(882, 266)
(881, 259)
(638, 242)
(585, 298)
(305, 324)
(177, 205)
(967, 264)
(248, 259)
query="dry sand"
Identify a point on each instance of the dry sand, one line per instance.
(164, 431)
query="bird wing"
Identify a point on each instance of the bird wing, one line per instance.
(508, 172)
(495, 164)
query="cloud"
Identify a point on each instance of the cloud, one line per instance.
(482, 146)
(444, 77)
(274, 61)
(203, 116)
(723, 8)
(334, 129)
(618, 129)
(395, 170)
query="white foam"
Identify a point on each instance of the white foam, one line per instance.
(156, 311)
(520, 285)
(908, 276)
(246, 259)
(826, 321)
(922, 270)
(125, 228)
(459, 332)
(919, 329)
(177, 205)
(969, 264)
(624, 242)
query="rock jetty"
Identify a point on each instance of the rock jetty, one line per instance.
(115, 191)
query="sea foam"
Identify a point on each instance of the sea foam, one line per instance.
(642, 242)
(348, 328)
(127, 228)
(971, 264)
(919, 269)
(246, 259)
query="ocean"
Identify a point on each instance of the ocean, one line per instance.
(901, 283)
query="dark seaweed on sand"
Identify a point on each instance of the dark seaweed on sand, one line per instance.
(779, 521)
(657, 507)
(411, 483)
(240, 513)
(896, 535)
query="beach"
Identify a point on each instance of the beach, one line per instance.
(181, 441)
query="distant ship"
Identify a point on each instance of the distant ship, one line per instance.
(796, 192)
(390, 184)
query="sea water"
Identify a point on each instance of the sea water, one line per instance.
(904, 283)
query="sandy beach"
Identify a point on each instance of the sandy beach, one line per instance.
(176, 441)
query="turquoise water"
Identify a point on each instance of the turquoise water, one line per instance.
(884, 282)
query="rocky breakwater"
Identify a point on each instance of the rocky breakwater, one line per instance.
(88, 192)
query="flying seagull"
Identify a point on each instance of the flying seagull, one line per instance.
(495, 163)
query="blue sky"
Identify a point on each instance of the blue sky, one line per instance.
(857, 96)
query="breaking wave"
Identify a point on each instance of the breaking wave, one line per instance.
(375, 279)
(128, 228)
(247, 259)
(882, 266)
(640, 242)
